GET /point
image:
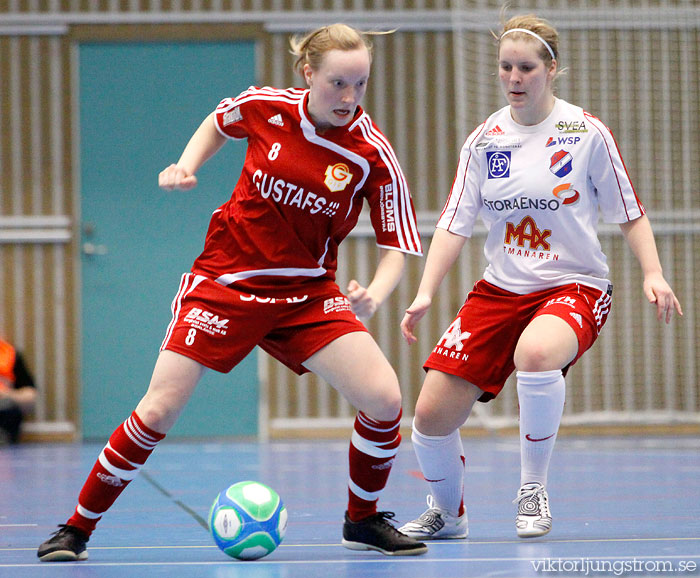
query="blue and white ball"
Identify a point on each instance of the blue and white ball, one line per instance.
(248, 520)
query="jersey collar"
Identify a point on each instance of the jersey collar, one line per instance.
(331, 133)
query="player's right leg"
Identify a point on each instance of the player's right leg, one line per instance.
(174, 379)
(548, 344)
(443, 405)
(355, 366)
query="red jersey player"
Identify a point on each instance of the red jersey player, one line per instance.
(266, 277)
(538, 172)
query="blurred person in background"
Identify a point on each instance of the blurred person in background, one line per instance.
(17, 393)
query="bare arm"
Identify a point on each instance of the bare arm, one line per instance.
(204, 144)
(444, 250)
(640, 238)
(365, 301)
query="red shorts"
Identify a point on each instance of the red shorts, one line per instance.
(480, 343)
(218, 326)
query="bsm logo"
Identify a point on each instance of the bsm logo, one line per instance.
(336, 304)
(196, 314)
(527, 232)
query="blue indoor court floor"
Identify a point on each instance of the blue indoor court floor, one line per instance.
(626, 506)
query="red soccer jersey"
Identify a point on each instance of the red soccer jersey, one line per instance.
(301, 192)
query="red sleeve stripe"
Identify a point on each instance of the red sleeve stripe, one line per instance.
(604, 133)
(406, 226)
(277, 96)
(291, 96)
(462, 185)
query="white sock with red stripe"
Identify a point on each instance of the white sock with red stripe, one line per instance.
(541, 395)
(441, 460)
(119, 463)
(372, 451)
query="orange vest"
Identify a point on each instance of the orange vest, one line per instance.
(7, 361)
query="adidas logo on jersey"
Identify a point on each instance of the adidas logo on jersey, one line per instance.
(495, 131)
(276, 120)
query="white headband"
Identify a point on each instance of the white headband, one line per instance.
(531, 33)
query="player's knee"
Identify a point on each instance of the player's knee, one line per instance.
(536, 356)
(428, 418)
(158, 413)
(386, 404)
(390, 407)
(156, 418)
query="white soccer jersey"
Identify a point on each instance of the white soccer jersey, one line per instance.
(539, 191)
(301, 192)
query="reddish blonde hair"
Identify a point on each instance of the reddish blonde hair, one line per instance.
(312, 47)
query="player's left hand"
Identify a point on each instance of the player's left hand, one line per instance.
(361, 302)
(659, 292)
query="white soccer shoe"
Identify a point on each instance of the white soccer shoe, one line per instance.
(534, 518)
(437, 524)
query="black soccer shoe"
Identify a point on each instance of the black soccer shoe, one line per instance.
(67, 544)
(376, 533)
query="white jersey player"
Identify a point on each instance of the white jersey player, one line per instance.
(539, 173)
(539, 190)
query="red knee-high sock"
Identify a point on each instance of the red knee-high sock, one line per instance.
(372, 451)
(119, 463)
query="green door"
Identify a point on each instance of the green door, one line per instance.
(139, 104)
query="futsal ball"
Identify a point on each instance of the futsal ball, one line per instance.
(248, 520)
